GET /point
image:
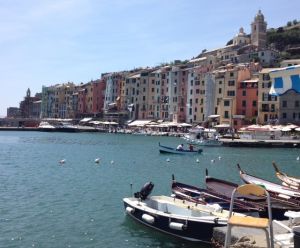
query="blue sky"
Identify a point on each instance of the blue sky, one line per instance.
(44, 42)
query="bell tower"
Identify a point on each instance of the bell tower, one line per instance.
(259, 31)
(28, 93)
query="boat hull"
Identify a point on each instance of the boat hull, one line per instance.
(181, 227)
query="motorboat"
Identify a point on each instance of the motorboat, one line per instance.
(46, 127)
(180, 218)
(66, 127)
(166, 149)
(200, 136)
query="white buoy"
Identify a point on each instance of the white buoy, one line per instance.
(62, 161)
(112, 162)
(197, 160)
(97, 160)
(220, 157)
(298, 158)
(212, 161)
(168, 160)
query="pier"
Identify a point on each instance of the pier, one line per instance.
(261, 143)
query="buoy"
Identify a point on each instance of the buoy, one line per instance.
(197, 160)
(62, 161)
(97, 160)
(112, 162)
(298, 158)
(220, 157)
(212, 160)
(168, 160)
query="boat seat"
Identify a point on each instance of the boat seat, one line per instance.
(249, 221)
(264, 224)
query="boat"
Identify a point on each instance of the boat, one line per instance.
(166, 149)
(273, 188)
(45, 126)
(206, 196)
(66, 127)
(180, 218)
(289, 181)
(200, 136)
(279, 204)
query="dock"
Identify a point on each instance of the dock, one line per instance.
(261, 143)
(249, 237)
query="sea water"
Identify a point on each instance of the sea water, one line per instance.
(78, 203)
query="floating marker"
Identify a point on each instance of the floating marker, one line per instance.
(168, 160)
(97, 160)
(62, 161)
(197, 160)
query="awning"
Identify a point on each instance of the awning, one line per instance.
(213, 116)
(184, 125)
(139, 123)
(223, 126)
(86, 119)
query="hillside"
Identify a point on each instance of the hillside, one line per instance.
(286, 40)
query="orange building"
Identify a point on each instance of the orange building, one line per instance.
(246, 101)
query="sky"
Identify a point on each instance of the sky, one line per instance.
(48, 42)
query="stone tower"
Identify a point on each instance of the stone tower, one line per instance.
(259, 31)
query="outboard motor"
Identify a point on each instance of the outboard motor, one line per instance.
(145, 191)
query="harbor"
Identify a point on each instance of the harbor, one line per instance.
(45, 203)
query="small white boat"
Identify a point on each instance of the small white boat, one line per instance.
(46, 127)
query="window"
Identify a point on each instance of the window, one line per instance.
(231, 83)
(244, 93)
(244, 103)
(284, 104)
(296, 103)
(226, 103)
(254, 103)
(283, 115)
(220, 90)
(226, 114)
(197, 91)
(230, 93)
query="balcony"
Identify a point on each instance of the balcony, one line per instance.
(268, 110)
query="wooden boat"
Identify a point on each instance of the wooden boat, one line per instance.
(206, 196)
(166, 149)
(282, 192)
(289, 181)
(180, 218)
(279, 205)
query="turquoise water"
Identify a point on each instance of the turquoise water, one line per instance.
(79, 203)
